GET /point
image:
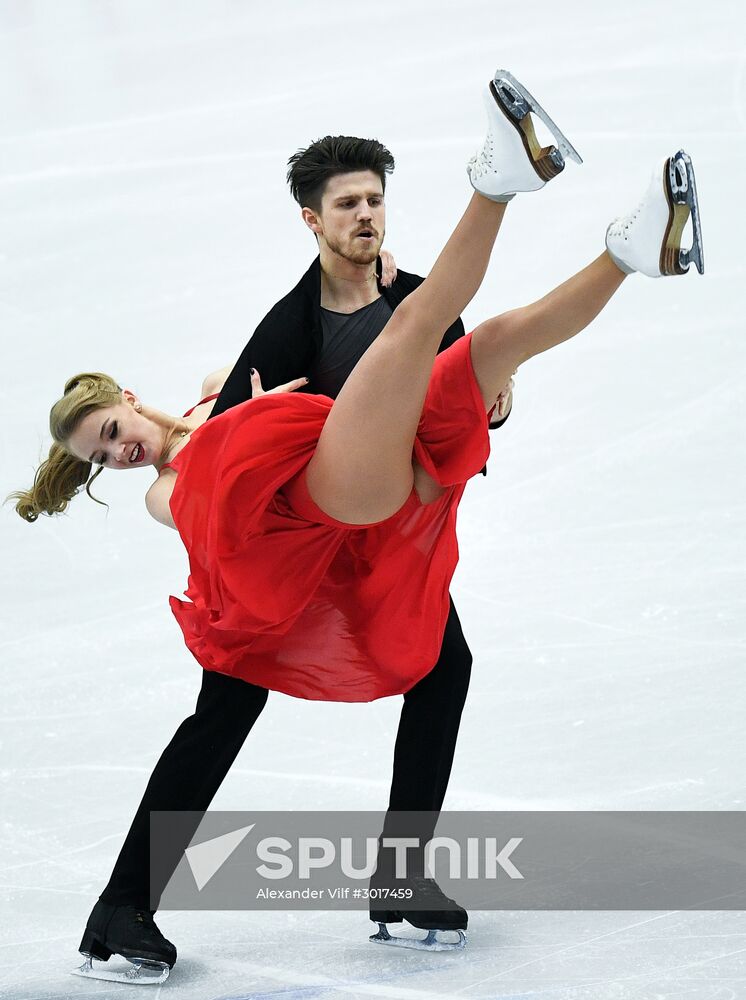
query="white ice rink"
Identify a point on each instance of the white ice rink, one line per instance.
(145, 228)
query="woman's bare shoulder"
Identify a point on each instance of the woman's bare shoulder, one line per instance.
(215, 381)
(158, 496)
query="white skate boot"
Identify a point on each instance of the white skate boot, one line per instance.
(512, 159)
(648, 240)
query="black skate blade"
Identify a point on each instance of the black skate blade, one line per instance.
(521, 102)
(683, 188)
(430, 943)
(136, 972)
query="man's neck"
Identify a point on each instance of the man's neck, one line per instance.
(345, 286)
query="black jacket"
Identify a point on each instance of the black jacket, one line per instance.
(287, 342)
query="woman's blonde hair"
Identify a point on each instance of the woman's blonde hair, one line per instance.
(60, 476)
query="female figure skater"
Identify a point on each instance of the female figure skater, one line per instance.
(322, 537)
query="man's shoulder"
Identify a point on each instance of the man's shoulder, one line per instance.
(304, 296)
(298, 296)
(298, 301)
(406, 281)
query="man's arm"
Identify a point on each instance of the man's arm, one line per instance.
(503, 407)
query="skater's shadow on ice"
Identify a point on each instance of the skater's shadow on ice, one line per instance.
(328, 990)
(320, 989)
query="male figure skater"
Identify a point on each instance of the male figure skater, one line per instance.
(320, 329)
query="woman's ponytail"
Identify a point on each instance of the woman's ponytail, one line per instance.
(58, 479)
(61, 474)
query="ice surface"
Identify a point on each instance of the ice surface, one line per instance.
(145, 230)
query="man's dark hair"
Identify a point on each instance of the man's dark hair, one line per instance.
(309, 169)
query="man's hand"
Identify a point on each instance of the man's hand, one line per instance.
(504, 400)
(257, 390)
(388, 269)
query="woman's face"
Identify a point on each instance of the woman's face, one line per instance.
(118, 437)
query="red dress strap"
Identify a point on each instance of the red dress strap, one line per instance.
(207, 399)
(188, 413)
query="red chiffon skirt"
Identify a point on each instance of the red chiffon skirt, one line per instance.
(285, 597)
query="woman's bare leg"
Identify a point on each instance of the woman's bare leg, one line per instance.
(500, 345)
(361, 471)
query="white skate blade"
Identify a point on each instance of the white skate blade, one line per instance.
(683, 191)
(430, 943)
(505, 79)
(136, 972)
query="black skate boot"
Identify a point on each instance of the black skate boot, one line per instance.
(130, 932)
(434, 912)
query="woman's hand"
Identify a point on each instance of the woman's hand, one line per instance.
(257, 390)
(388, 269)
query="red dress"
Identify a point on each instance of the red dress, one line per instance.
(284, 596)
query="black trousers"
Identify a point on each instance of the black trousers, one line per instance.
(194, 764)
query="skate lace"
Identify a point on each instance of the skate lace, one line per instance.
(623, 225)
(482, 162)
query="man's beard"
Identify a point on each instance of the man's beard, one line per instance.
(355, 254)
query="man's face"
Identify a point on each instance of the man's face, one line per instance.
(352, 220)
